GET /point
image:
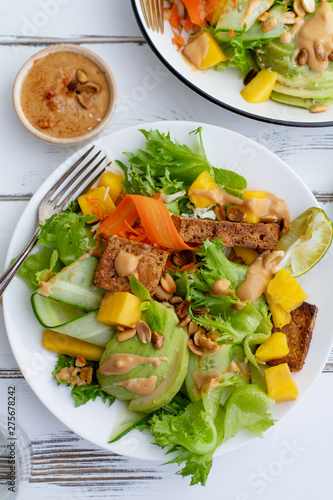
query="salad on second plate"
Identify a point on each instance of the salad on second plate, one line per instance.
(283, 48)
(171, 287)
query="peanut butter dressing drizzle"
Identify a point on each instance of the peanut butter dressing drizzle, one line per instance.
(140, 386)
(118, 364)
(269, 205)
(316, 36)
(288, 35)
(206, 382)
(250, 6)
(196, 51)
(257, 276)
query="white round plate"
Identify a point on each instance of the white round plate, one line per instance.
(223, 88)
(226, 149)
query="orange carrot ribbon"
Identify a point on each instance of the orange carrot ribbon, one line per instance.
(155, 219)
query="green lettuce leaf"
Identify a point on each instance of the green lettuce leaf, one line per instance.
(234, 326)
(82, 393)
(198, 466)
(172, 167)
(69, 234)
(40, 266)
(193, 429)
(257, 378)
(247, 408)
(182, 285)
(239, 50)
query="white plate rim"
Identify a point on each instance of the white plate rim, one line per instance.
(132, 445)
(136, 6)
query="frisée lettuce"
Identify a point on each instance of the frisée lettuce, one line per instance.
(165, 165)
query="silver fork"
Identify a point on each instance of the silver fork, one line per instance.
(153, 14)
(54, 202)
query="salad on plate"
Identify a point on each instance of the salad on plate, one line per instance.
(171, 287)
(283, 48)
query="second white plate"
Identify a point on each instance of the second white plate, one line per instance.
(223, 88)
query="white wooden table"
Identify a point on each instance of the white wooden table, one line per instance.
(294, 460)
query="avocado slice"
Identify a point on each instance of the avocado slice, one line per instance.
(293, 101)
(296, 85)
(217, 361)
(171, 370)
(169, 387)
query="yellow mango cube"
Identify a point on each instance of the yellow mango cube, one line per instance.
(248, 255)
(273, 348)
(249, 215)
(196, 191)
(214, 53)
(114, 182)
(260, 87)
(119, 308)
(254, 194)
(96, 201)
(280, 317)
(285, 290)
(280, 383)
(64, 344)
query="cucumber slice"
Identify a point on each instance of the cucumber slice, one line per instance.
(126, 420)
(73, 285)
(51, 313)
(87, 328)
(218, 361)
(237, 18)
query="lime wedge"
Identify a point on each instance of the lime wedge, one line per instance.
(308, 239)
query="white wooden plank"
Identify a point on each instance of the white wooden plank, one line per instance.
(13, 211)
(66, 18)
(150, 94)
(65, 466)
(294, 459)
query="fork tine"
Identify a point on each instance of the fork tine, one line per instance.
(151, 14)
(67, 174)
(144, 11)
(155, 16)
(76, 191)
(65, 188)
(160, 16)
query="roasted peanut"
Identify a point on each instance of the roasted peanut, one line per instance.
(167, 283)
(126, 334)
(143, 331)
(161, 294)
(269, 24)
(157, 340)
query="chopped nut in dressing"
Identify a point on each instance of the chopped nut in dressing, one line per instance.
(65, 94)
(118, 364)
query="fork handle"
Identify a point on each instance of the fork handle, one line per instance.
(8, 275)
